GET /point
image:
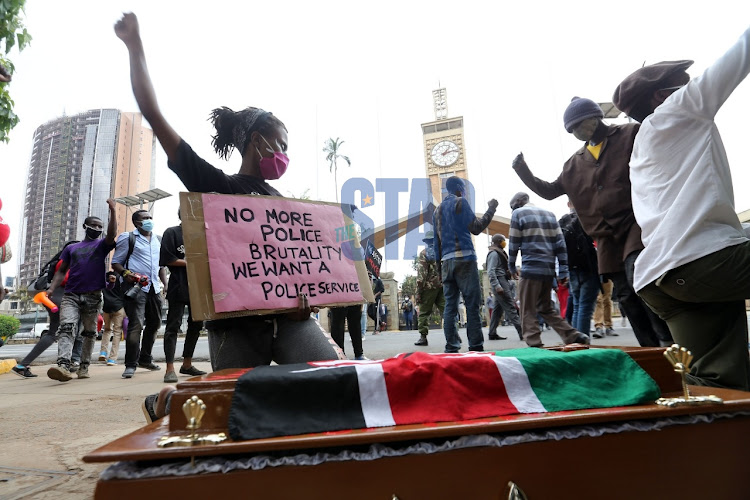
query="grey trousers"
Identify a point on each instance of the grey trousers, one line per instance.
(257, 340)
(536, 298)
(74, 307)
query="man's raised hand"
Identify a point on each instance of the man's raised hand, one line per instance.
(518, 160)
(127, 29)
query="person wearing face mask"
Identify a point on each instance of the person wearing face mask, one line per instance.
(261, 139)
(498, 272)
(596, 179)
(84, 263)
(137, 257)
(455, 222)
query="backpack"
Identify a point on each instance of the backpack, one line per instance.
(131, 246)
(47, 272)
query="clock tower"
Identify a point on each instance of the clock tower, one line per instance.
(443, 146)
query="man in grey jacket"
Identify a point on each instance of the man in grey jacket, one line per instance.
(497, 270)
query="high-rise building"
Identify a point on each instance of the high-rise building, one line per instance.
(77, 162)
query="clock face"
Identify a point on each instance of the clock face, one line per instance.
(445, 153)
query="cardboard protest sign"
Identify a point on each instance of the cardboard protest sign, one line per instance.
(258, 253)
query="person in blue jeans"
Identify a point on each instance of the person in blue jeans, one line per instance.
(455, 222)
(583, 269)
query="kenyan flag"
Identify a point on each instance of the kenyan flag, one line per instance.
(421, 388)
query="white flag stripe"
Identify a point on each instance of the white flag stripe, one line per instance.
(376, 408)
(518, 386)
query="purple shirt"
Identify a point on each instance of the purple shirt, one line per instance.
(87, 265)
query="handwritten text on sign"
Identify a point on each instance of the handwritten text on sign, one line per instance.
(264, 252)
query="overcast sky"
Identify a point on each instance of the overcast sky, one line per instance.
(364, 72)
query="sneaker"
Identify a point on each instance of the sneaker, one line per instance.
(150, 366)
(599, 333)
(111, 362)
(363, 337)
(149, 407)
(611, 331)
(74, 366)
(362, 358)
(170, 377)
(83, 373)
(60, 373)
(103, 356)
(23, 372)
(422, 340)
(128, 373)
(192, 371)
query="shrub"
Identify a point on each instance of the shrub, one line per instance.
(8, 326)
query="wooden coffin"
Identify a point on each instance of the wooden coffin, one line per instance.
(646, 451)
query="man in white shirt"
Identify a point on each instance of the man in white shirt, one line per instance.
(695, 269)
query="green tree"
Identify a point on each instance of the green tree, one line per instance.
(409, 286)
(12, 34)
(24, 298)
(8, 326)
(332, 148)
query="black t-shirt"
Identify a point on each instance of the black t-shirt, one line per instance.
(172, 249)
(199, 176)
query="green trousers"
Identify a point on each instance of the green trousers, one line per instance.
(427, 300)
(703, 302)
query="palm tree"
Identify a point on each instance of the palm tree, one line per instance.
(332, 148)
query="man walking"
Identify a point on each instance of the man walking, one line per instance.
(498, 272)
(695, 269)
(455, 222)
(172, 255)
(429, 288)
(137, 257)
(82, 300)
(536, 233)
(597, 181)
(582, 267)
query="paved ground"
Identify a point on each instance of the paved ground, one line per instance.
(48, 426)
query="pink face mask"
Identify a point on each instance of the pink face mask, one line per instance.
(273, 167)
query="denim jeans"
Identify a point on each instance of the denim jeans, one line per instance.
(75, 307)
(584, 288)
(461, 276)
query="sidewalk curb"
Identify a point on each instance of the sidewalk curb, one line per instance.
(6, 365)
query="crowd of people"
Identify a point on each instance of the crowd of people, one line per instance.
(651, 220)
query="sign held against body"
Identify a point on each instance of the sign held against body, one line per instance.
(265, 251)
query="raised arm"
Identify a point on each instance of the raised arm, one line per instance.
(127, 30)
(547, 190)
(111, 237)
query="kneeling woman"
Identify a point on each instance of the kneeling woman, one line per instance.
(261, 139)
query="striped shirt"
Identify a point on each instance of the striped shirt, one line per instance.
(537, 235)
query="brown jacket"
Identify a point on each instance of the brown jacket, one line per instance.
(600, 192)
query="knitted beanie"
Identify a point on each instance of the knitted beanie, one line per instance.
(578, 110)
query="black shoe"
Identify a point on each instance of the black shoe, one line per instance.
(128, 373)
(191, 371)
(150, 366)
(582, 338)
(149, 408)
(422, 341)
(494, 336)
(23, 372)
